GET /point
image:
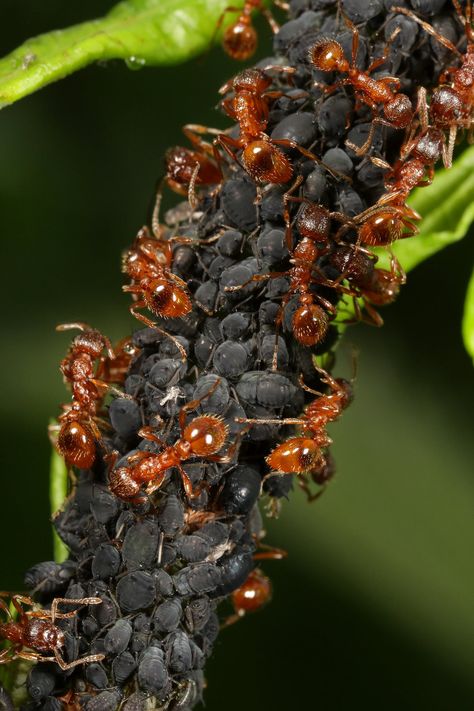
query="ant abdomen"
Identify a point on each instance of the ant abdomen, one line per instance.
(266, 163)
(167, 299)
(240, 41)
(76, 444)
(310, 324)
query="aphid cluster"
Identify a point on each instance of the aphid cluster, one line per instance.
(242, 288)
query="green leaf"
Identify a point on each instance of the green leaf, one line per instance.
(142, 32)
(58, 485)
(447, 209)
(468, 318)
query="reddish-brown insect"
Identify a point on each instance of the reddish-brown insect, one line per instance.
(260, 155)
(251, 596)
(36, 630)
(374, 285)
(311, 319)
(304, 454)
(78, 432)
(187, 169)
(240, 39)
(203, 437)
(154, 286)
(328, 56)
(452, 102)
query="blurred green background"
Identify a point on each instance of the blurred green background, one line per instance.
(373, 607)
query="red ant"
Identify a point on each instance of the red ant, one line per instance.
(375, 286)
(451, 105)
(187, 168)
(204, 436)
(301, 454)
(36, 629)
(260, 158)
(148, 264)
(78, 430)
(310, 321)
(255, 592)
(328, 56)
(240, 39)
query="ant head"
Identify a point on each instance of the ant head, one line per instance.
(254, 80)
(399, 111)
(328, 56)
(446, 107)
(91, 342)
(382, 227)
(314, 222)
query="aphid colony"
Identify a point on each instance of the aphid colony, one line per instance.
(243, 288)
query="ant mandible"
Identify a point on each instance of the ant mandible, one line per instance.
(36, 630)
(240, 38)
(78, 430)
(304, 453)
(204, 436)
(451, 105)
(328, 56)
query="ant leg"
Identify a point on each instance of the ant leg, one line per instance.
(428, 28)
(286, 214)
(274, 26)
(194, 131)
(256, 277)
(192, 197)
(193, 404)
(361, 150)
(70, 601)
(79, 325)
(270, 553)
(450, 148)
(422, 110)
(156, 483)
(225, 142)
(6, 655)
(287, 142)
(4, 606)
(148, 434)
(70, 665)
(151, 324)
(383, 58)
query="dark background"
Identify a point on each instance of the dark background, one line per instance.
(373, 607)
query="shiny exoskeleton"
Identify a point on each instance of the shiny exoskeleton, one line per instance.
(148, 264)
(328, 55)
(306, 453)
(240, 38)
(255, 592)
(78, 431)
(203, 437)
(36, 630)
(452, 101)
